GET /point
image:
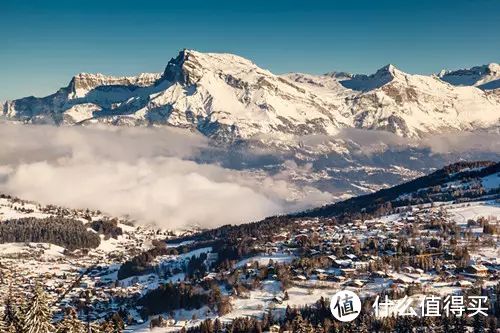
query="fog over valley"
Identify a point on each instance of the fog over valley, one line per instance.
(175, 178)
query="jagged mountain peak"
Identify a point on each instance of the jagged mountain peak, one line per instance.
(363, 82)
(190, 65)
(494, 67)
(388, 69)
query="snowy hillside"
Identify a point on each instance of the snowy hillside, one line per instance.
(229, 98)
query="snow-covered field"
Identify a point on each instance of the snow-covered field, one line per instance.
(463, 212)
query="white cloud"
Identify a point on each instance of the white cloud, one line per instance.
(464, 142)
(163, 175)
(370, 142)
(148, 174)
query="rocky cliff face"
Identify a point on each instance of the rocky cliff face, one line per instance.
(83, 83)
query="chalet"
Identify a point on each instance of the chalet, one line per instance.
(278, 299)
(449, 267)
(360, 264)
(477, 270)
(274, 329)
(301, 237)
(314, 252)
(347, 271)
(408, 269)
(356, 283)
(378, 274)
(210, 276)
(351, 256)
(404, 280)
(331, 259)
(337, 278)
(464, 283)
(342, 263)
(280, 238)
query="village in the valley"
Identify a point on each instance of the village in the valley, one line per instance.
(442, 249)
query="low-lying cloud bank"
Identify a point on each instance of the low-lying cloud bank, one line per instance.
(370, 142)
(149, 174)
(175, 179)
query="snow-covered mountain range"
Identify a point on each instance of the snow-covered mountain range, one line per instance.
(486, 77)
(229, 98)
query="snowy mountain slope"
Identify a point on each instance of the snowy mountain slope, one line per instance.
(229, 98)
(485, 77)
(402, 103)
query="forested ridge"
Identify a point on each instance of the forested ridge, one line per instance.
(68, 233)
(371, 202)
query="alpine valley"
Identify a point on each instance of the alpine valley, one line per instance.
(345, 134)
(406, 166)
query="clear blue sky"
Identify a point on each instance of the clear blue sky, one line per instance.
(43, 43)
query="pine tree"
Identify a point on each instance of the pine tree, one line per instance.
(363, 325)
(118, 324)
(10, 315)
(217, 326)
(38, 316)
(8, 310)
(17, 324)
(114, 324)
(478, 324)
(458, 325)
(301, 326)
(95, 328)
(70, 323)
(106, 327)
(3, 325)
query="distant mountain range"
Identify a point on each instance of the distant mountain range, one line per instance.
(294, 116)
(228, 98)
(486, 77)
